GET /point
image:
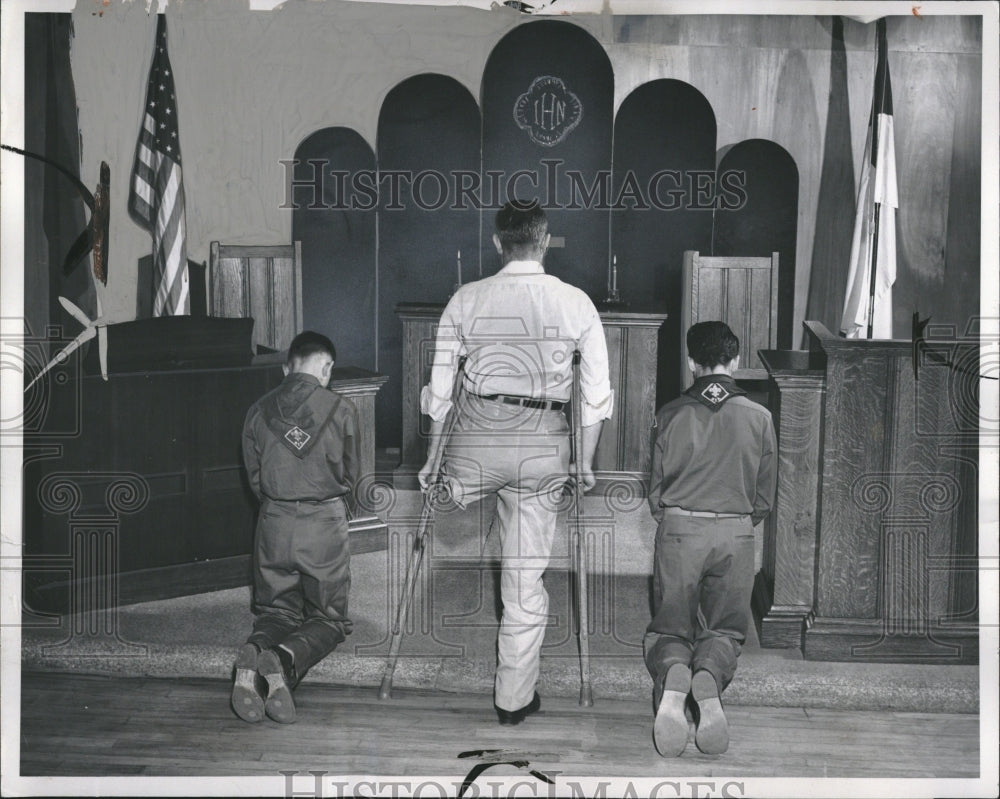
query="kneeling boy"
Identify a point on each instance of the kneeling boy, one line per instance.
(712, 479)
(301, 451)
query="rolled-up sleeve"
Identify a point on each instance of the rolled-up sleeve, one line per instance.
(598, 400)
(436, 396)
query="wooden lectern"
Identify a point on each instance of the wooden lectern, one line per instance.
(871, 550)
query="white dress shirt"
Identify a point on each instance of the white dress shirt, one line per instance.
(517, 331)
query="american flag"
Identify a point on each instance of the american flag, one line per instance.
(156, 200)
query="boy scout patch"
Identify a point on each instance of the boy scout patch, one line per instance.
(712, 391)
(297, 437)
(715, 393)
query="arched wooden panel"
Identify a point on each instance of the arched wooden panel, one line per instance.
(548, 94)
(664, 155)
(338, 241)
(430, 130)
(761, 216)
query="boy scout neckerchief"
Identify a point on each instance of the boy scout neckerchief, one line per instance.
(298, 412)
(712, 391)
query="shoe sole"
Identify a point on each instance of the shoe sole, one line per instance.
(280, 706)
(712, 734)
(670, 727)
(246, 700)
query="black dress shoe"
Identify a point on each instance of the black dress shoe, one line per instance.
(517, 716)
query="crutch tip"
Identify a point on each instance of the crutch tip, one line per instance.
(586, 696)
(385, 690)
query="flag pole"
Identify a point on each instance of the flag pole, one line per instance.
(874, 269)
(881, 48)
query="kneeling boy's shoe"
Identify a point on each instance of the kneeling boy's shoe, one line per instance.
(279, 706)
(249, 688)
(670, 727)
(712, 734)
(509, 717)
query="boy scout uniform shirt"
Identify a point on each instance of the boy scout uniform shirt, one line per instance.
(301, 442)
(715, 451)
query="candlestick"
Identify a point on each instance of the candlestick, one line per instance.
(613, 299)
(459, 268)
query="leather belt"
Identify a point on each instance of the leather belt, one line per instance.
(527, 402)
(673, 510)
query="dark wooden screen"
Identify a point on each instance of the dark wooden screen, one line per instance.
(429, 128)
(338, 242)
(664, 125)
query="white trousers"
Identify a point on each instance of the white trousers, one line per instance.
(522, 456)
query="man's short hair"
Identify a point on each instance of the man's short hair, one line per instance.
(521, 226)
(309, 343)
(711, 344)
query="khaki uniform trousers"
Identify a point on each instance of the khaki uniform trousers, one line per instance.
(702, 581)
(302, 577)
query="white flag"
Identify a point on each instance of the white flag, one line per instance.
(874, 242)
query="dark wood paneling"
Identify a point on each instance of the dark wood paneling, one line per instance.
(153, 482)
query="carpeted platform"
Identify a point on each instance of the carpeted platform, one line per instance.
(451, 631)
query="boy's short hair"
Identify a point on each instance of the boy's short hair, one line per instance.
(711, 344)
(521, 226)
(308, 343)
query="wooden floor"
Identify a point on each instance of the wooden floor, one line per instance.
(79, 725)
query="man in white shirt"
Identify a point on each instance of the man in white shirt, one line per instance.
(516, 332)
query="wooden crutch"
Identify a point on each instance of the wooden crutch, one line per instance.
(419, 543)
(586, 692)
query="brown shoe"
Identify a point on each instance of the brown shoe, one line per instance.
(249, 688)
(712, 735)
(670, 727)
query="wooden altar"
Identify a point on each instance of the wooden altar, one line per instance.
(870, 553)
(134, 488)
(623, 452)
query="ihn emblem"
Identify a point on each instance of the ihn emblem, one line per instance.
(548, 111)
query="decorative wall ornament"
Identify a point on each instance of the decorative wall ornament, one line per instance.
(548, 111)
